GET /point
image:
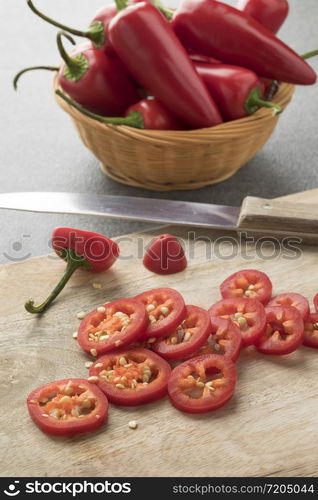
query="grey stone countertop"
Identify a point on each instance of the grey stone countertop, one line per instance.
(40, 150)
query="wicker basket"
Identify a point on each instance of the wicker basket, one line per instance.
(176, 160)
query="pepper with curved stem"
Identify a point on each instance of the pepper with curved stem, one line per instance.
(95, 32)
(94, 79)
(74, 261)
(80, 249)
(134, 119)
(97, 81)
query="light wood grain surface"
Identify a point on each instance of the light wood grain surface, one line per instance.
(269, 428)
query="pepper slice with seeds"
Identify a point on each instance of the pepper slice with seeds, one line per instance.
(188, 337)
(249, 283)
(311, 331)
(284, 331)
(166, 310)
(294, 300)
(248, 314)
(132, 377)
(68, 407)
(120, 323)
(225, 339)
(202, 384)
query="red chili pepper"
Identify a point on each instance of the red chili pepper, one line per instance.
(155, 116)
(269, 13)
(93, 79)
(238, 91)
(80, 249)
(221, 31)
(147, 45)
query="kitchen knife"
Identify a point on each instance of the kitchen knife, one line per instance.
(256, 215)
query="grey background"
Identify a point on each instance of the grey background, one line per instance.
(40, 150)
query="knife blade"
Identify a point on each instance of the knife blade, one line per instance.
(255, 216)
(124, 207)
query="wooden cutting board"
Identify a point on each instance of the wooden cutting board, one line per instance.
(268, 429)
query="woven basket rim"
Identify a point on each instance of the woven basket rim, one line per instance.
(282, 98)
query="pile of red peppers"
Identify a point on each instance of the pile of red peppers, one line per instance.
(147, 66)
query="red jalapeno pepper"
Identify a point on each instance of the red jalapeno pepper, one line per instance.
(145, 42)
(269, 13)
(93, 79)
(80, 249)
(155, 115)
(218, 30)
(238, 91)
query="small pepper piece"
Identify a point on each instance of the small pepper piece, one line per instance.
(165, 255)
(80, 249)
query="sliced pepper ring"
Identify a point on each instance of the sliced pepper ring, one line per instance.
(202, 384)
(294, 300)
(311, 331)
(225, 339)
(68, 407)
(249, 283)
(132, 377)
(188, 337)
(111, 326)
(284, 331)
(166, 310)
(248, 314)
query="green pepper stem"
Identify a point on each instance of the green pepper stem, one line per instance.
(121, 4)
(74, 261)
(95, 32)
(254, 102)
(134, 119)
(69, 61)
(310, 54)
(25, 70)
(167, 12)
(75, 67)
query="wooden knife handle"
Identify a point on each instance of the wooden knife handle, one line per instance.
(272, 217)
